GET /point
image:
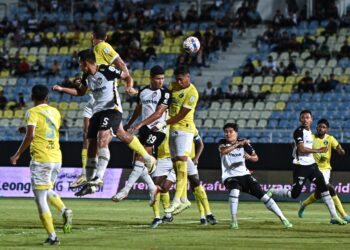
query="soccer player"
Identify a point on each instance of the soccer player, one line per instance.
(305, 167)
(182, 128)
(106, 120)
(152, 104)
(193, 177)
(165, 177)
(237, 178)
(323, 160)
(42, 135)
(105, 54)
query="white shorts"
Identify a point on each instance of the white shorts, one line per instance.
(43, 174)
(191, 168)
(327, 175)
(165, 168)
(180, 143)
(87, 113)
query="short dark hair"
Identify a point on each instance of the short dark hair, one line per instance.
(305, 111)
(323, 121)
(87, 55)
(181, 70)
(99, 31)
(232, 125)
(40, 92)
(156, 70)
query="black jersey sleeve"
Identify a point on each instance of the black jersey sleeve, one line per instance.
(298, 135)
(165, 97)
(110, 72)
(248, 149)
(138, 99)
(84, 79)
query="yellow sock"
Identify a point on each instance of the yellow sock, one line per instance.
(199, 205)
(338, 205)
(155, 207)
(311, 199)
(84, 159)
(137, 147)
(181, 178)
(203, 198)
(165, 197)
(56, 201)
(184, 193)
(47, 221)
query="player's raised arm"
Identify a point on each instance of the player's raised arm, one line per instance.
(80, 91)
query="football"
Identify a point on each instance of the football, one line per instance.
(191, 45)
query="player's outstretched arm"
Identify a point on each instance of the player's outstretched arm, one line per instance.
(27, 140)
(340, 150)
(80, 91)
(156, 115)
(129, 84)
(304, 150)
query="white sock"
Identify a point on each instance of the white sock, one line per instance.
(148, 180)
(272, 206)
(176, 199)
(91, 167)
(233, 201)
(103, 159)
(135, 175)
(282, 193)
(327, 199)
(41, 200)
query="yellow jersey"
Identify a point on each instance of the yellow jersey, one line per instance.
(323, 160)
(186, 98)
(45, 146)
(104, 53)
(163, 149)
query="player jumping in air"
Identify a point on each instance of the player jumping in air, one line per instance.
(106, 120)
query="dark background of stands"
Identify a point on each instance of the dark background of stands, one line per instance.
(272, 156)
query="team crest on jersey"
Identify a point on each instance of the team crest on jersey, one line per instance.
(99, 81)
(154, 95)
(325, 142)
(106, 50)
(181, 94)
(301, 180)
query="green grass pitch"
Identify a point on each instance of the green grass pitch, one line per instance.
(102, 224)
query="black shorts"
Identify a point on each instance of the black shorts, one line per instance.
(104, 120)
(307, 172)
(246, 183)
(150, 138)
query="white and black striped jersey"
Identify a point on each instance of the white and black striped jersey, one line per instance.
(103, 88)
(150, 99)
(302, 135)
(233, 163)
